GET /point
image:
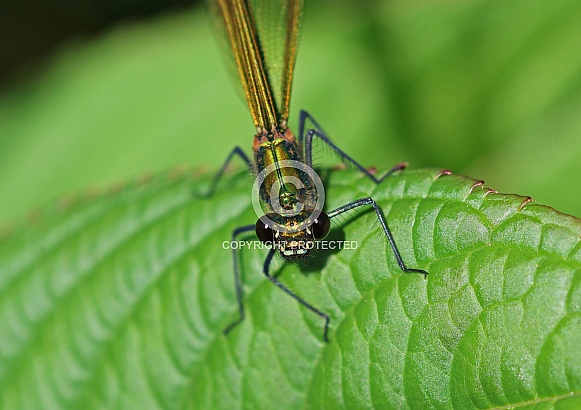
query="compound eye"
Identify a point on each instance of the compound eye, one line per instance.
(264, 232)
(321, 226)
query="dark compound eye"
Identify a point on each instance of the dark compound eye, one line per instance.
(264, 232)
(321, 226)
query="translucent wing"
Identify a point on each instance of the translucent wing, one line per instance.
(263, 36)
(278, 24)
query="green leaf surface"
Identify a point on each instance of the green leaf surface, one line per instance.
(118, 302)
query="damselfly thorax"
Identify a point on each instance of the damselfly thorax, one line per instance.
(293, 217)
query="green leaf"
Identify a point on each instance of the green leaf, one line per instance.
(119, 301)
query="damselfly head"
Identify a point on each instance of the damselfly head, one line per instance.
(293, 237)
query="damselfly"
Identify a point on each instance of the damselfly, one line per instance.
(263, 38)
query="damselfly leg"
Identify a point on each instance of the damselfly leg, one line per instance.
(307, 137)
(319, 133)
(266, 272)
(386, 230)
(235, 152)
(237, 279)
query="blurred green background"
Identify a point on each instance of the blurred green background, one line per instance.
(490, 89)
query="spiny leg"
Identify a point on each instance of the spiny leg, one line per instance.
(388, 234)
(318, 132)
(303, 118)
(237, 280)
(236, 151)
(294, 296)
